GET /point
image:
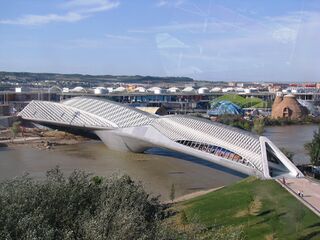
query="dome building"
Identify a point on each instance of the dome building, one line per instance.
(288, 107)
(225, 108)
(189, 90)
(173, 90)
(78, 89)
(203, 90)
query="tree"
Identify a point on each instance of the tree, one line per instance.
(313, 148)
(172, 192)
(15, 129)
(79, 207)
(258, 126)
(287, 153)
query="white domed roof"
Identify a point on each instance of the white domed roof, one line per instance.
(78, 89)
(203, 90)
(173, 89)
(139, 89)
(120, 89)
(100, 90)
(152, 89)
(188, 89)
(215, 89)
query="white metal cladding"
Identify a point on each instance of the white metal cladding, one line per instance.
(189, 128)
(117, 113)
(100, 114)
(57, 113)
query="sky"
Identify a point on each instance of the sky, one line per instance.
(217, 40)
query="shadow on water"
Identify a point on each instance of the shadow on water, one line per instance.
(186, 157)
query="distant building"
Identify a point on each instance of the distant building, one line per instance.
(78, 89)
(189, 90)
(173, 90)
(4, 110)
(100, 90)
(288, 107)
(120, 89)
(140, 89)
(65, 90)
(203, 90)
(21, 89)
(155, 90)
(225, 107)
(215, 89)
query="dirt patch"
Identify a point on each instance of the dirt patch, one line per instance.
(255, 207)
(270, 237)
(40, 139)
(241, 213)
(193, 195)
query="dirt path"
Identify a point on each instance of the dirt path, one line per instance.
(193, 195)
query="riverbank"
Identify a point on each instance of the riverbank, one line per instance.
(39, 139)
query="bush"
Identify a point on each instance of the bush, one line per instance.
(235, 121)
(313, 148)
(15, 129)
(78, 207)
(258, 126)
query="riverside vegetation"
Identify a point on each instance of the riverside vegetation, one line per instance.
(85, 207)
(79, 207)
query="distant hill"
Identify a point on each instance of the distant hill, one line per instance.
(27, 76)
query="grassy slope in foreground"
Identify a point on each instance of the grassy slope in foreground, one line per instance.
(262, 207)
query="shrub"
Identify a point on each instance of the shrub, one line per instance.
(15, 129)
(78, 207)
(313, 148)
(258, 126)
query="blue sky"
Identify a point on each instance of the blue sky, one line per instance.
(247, 40)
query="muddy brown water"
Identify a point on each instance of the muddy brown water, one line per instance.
(157, 169)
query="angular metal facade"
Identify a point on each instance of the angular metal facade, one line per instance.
(125, 128)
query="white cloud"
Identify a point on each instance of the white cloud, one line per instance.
(171, 3)
(78, 10)
(90, 6)
(285, 35)
(44, 19)
(166, 41)
(122, 37)
(273, 48)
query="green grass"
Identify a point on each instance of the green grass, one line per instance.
(243, 102)
(261, 207)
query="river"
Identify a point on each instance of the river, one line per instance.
(157, 170)
(293, 138)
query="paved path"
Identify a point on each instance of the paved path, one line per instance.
(311, 192)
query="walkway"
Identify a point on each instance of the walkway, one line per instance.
(311, 192)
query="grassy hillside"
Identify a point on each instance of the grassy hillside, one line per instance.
(243, 102)
(262, 209)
